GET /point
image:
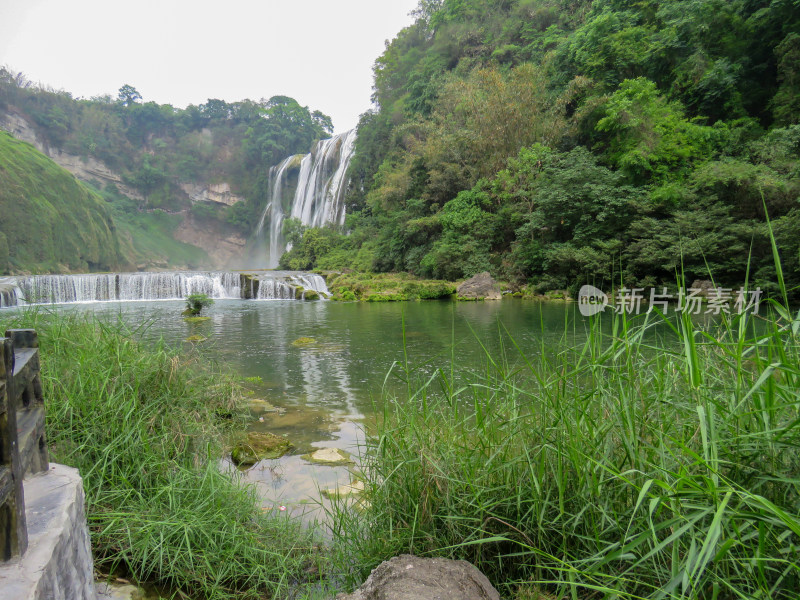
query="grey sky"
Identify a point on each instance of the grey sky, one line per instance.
(182, 52)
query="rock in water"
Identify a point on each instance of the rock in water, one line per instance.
(329, 456)
(409, 577)
(480, 287)
(260, 446)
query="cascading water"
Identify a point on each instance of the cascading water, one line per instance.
(274, 210)
(119, 287)
(319, 196)
(321, 184)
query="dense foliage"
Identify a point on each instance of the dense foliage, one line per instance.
(551, 141)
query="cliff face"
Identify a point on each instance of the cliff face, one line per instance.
(48, 220)
(219, 245)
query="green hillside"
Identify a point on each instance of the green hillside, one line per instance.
(554, 141)
(48, 220)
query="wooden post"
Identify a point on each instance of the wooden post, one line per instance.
(13, 530)
(27, 389)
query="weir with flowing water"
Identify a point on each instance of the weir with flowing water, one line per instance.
(318, 196)
(169, 285)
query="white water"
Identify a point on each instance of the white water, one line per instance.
(319, 197)
(274, 209)
(176, 285)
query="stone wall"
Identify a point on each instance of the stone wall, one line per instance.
(58, 563)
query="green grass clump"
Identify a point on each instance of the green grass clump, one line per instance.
(145, 426)
(634, 465)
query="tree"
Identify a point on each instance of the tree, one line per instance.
(128, 95)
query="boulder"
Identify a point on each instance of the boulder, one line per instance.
(260, 445)
(480, 287)
(409, 577)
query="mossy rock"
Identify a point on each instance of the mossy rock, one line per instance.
(311, 295)
(196, 319)
(196, 338)
(260, 445)
(304, 341)
(333, 457)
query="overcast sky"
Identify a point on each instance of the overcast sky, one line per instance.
(182, 52)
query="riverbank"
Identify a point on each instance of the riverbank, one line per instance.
(146, 426)
(633, 465)
(642, 458)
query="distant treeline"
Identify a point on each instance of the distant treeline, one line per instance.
(555, 141)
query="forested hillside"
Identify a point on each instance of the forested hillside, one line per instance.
(49, 221)
(551, 141)
(158, 154)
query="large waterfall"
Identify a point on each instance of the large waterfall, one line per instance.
(175, 285)
(318, 196)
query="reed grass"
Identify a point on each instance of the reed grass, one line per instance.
(658, 459)
(145, 425)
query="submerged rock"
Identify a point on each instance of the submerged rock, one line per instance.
(261, 405)
(329, 456)
(304, 341)
(351, 489)
(196, 338)
(409, 577)
(195, 319)
(480, 287)
(260, 446)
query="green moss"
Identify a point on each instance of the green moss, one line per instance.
(50, 221)
(196, 319)
(304, 341)
(260, 445)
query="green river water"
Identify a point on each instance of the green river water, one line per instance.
(326, 392)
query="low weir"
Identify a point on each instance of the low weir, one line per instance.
(167, 285)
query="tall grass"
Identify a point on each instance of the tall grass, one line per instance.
(145, 426)
(635, 465)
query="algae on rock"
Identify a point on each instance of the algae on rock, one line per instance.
(260, 445)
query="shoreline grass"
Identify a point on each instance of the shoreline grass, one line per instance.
(145, 426)
(633, 466)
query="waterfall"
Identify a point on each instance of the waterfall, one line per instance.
(119, 287)
(319, 195)
(275, 210)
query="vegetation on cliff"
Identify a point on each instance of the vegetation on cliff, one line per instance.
(551, 142)
(157, 149)
(48, 220)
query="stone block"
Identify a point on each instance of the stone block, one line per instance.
(58, 563)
